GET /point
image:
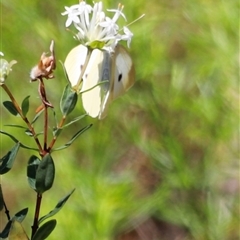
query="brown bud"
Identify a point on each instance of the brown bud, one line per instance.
(45, 67)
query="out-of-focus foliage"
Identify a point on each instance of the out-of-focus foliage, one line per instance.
(167, 150)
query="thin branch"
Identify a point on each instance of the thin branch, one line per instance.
(25, 119)
(55, 137)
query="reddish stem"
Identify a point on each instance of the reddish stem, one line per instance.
(55, 137)
(36, 215)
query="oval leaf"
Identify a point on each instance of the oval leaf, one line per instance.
(45, 174)
(68, 100)
(32, 167)
(8, 159)
(10, 107)
(25, 106)
(45, 230)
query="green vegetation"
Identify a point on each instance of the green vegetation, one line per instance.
(168, 149)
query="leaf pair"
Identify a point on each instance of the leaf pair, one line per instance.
(14, 111)
(41, 173)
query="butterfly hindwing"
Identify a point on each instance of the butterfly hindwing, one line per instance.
(122, 77)
(124, 72)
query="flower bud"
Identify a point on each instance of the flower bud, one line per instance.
(45, 67)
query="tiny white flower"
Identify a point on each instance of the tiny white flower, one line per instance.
(118, 12)
(5, 68)
(1, 54)
(127, 36)
(72, 15)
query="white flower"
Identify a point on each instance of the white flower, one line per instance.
(1, 54)
(72, 15)
(95, 29)
(127, 36)
(5, 68)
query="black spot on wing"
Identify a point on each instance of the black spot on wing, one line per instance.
(120, 77)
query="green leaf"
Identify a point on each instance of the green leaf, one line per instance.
(58, 207)
(16, 141)
(8, 159)
(57, 131)
(66, 145)
(10, 107)
(45, 174)
(32, 167)
(19, 216)
(45, 230)
(25, 106)
(1, 198)
(74, 120)
(4, 234)
(37, 116)
(68, 100)
(15, 126)
(29, 133)
(54, 116)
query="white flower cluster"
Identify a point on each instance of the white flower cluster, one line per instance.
(95, 29)
(5, 68)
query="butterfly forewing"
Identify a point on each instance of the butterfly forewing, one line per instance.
(98, 69)
(74, 63)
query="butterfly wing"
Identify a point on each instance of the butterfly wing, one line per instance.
(74, 63)
(122, 77)
(98, 69)
(124, 72)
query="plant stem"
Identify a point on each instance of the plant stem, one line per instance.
(55, 137)
(6, 211)
(30, 127)
(36, 215)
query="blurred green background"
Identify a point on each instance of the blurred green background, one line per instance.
(164, 164)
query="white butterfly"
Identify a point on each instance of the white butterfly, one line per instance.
(117, 68)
